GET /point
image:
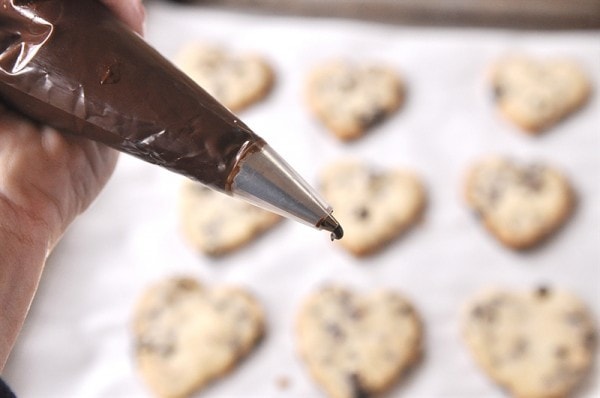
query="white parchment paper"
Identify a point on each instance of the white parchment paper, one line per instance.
(77, 341)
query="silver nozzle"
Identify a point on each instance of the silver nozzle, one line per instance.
(266, 180)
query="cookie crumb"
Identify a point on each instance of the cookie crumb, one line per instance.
(283, 382)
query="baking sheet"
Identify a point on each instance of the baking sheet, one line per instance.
(77, 341)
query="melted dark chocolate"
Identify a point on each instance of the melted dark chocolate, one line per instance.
(74, 66)
(337, 233)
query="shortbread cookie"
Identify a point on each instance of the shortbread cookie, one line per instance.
(187, 335)
(349, 99)
(536, 344)
(519, 204)
(536, 94)
(216, 224)
(237, 81)
(358, 346)
(373, 206)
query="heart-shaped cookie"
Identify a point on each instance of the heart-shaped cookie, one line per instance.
(536, 344)
(520, 205)
(373, 206)
(216, 224)
(536, 94)
(237, 81)
(358, 346)
(349, 98)
(187, 335)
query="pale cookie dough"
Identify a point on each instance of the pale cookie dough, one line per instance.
(237, 81)
(357, 346)
(349, 98)
(536, 94)
(187, 335)
(536, 344)
(520, 204)
(216, 224)
(373, 206)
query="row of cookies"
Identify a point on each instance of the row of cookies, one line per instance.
(521, 205)
(351, 98)
(534, 343)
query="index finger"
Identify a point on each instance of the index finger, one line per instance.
(129, 11)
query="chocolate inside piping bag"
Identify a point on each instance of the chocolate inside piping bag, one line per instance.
(74, 66)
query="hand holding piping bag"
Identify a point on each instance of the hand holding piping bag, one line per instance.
(46, 180)
(104, 83)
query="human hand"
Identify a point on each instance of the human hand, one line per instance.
(46, 180)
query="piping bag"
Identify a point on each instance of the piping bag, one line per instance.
(72, 65)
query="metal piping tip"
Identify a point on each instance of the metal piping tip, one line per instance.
(330, 224)
(266, 180)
